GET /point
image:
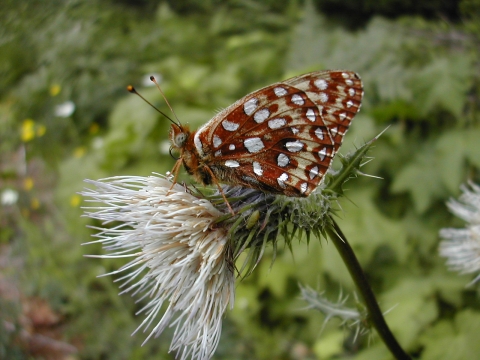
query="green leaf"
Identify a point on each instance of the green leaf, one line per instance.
(367, 228)
(130, 122)
(421, 179)
(412, 308)
(451, 149)
(443, 84)
(471, 140)
(328, 346)
(377, 351)
(457, 340)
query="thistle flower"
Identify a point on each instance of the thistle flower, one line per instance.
(179, 255)
(184, 242)
(182, 253)
(461, 247)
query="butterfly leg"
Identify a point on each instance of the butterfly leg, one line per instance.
(175, 170)
(214, 179)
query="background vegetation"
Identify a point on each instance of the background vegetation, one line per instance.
(65, 115)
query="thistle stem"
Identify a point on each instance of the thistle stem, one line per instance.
(374, 313)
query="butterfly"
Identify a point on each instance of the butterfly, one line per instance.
(279, 139)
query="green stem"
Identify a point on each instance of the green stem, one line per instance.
(374, 313)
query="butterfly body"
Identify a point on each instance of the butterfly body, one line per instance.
(279, 139)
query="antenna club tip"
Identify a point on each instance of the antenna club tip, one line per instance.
(152, 78)
(131, 89)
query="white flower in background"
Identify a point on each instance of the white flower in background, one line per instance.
(178, 254)
(98, 143)
(461, 247)
(65, 109)
(9, 197)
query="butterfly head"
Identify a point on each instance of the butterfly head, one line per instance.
(178, 136)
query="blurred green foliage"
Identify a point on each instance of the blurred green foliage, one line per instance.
(421, 77)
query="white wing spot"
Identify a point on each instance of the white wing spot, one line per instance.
(230, 126)
(303, 187)
(321, 84)
(277, 123)
(254, 145)
(342, 116)
(295, 131)
(281, 180)
(261, 115)
(349, 103)
(351, 91)
(319, 133)
(232, 163)
(294, 146)
(297, 99)
(282, 160)
(345, 75)
(218, 153)
(231, 147)
(313, 172)
(349, 82)
(323, 97)
(322, 153)
(198, 143)
(257, 168)
(334, 131)
(217, 141)
(250, 106)
(311, 115)
(279, 91)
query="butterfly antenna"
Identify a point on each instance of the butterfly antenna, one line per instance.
(131, 89)
(152, 78)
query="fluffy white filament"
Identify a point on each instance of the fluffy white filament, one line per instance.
(461, 247)
(178, 256)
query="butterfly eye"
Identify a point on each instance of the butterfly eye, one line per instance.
(180, 139)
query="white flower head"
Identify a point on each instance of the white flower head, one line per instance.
(65, 109)
(9, 197)
(461, 247)
(178, 254)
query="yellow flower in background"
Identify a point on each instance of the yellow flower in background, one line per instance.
(34, 204)
(30, 129)
(27, 131)
(55, 89)
(75, 200)
(28, 184)
(41, 130)
(79, 152)
(93, 129)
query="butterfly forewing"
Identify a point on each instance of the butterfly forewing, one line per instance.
(282, 138)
